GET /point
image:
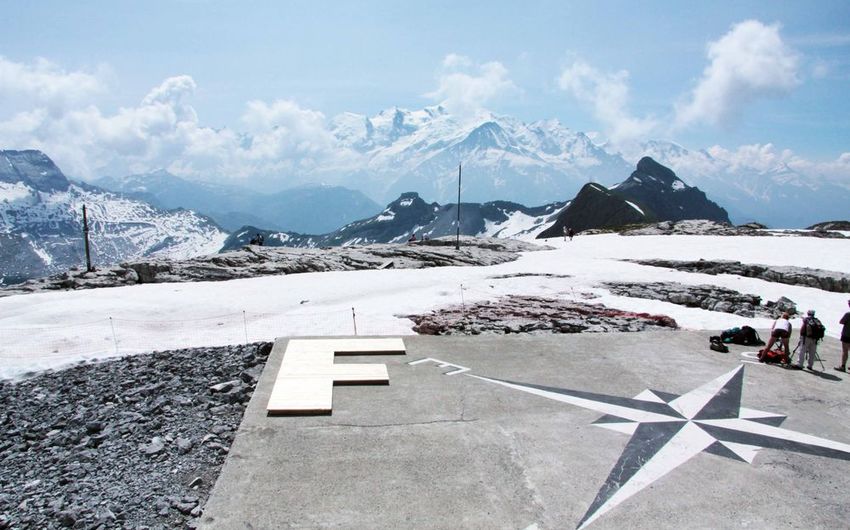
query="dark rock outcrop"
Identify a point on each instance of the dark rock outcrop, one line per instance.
(836, 282)
(534, 315)
(831, 225)
(709, 297)
(33, 169)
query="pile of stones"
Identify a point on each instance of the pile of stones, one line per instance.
(534, 315)
(135, 442)
(709, 297)
(836, 282)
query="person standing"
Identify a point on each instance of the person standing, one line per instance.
(845, 340)
(808, 343)
(570, 233)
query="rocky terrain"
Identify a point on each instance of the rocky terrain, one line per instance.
(135, 442)
(252, 261)
(703, 227)
(535, 315)
(709, 297)
(833, 281)
(831, 225)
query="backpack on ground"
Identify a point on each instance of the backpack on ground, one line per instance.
(774, 356)
(744, 335)
(813, 328)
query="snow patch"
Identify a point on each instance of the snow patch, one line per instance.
(635, 206)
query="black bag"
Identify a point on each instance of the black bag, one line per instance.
(744, 335)
(750, 337)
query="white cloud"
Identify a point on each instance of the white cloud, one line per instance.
(760, 157)
(607, 94)
(61, 117)
(45, 84)
(748, 63)
(464, 88)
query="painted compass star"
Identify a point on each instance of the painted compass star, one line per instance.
(667, 430)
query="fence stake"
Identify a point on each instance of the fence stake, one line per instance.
(245, 323)
(114, 338)
(462, 303)
(354, 319)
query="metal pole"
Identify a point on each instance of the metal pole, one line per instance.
(86, 237)
(114, 337)
(245, 324)
(457, 241)
(354, 319)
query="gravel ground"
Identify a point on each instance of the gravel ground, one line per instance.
(135, 442)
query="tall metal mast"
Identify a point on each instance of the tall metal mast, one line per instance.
(457, 241)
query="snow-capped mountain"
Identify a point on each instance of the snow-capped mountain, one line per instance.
(503, 158)
(41, 225)
(410, 215)
(544, 161)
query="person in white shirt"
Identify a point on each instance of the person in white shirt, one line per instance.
(781, 330)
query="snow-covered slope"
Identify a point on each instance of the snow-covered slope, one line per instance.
(165, 316)
(41, 225)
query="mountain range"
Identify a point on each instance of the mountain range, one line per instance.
(651, 193)
(534, 163)
(41, 223)
(301, 209)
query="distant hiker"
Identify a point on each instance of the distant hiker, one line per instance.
(845, 340)
(571, 233)
(412, 238)
(781, 330)
(810, 333)
(565, 233)
(260, 239)
(253, 241)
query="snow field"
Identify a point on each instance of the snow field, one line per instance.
(161, 316)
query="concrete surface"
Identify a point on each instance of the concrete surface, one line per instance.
(456, 451)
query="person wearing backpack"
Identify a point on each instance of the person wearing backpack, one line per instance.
(845, 340)
(810, 333)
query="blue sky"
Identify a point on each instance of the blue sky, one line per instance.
(531, 60)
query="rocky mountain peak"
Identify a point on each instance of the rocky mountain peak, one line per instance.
(647, 167)
(32, 168)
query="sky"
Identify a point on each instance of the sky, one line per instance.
(109, 86)
(52, 329)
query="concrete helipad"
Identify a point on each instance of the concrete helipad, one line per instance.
(647, 430)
